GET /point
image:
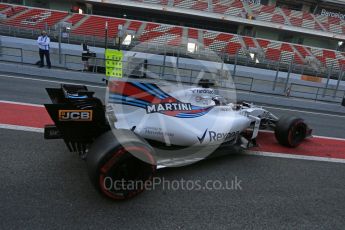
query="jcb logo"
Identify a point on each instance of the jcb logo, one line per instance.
(75, 115)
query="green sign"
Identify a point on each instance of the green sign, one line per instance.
(113, 63)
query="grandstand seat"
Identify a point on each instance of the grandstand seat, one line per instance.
(298, 59)
(3, 7)
(263, 43)
(287, 53)
(162, 34)
(95, 26)
(278, 18)
(273, 54)
(201, 5)
(183, 3)
(249, 42)
(332, 24)
(134, 26)
(14, 10)
(37, 19)
(341, 60)
(161, 2)
(303, 51)
(221, 42)
(216, 41)
(228, 7)
(75, 18)
(270, 14)
(233, 48)
(193, 33)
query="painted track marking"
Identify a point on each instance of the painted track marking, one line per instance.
(50, 81)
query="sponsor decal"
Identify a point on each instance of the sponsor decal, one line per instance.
(203, 91)
(153, 131)
(256, 2)
(226, 109)
(75, 115)
(201, 139)
(218, 137)
(157, 108)
(324, 12)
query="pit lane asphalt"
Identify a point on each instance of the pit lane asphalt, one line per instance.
(45, 186)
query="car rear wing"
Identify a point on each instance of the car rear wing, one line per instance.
(78, 116)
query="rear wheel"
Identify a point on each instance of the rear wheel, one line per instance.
(120, 169)
(290, 131)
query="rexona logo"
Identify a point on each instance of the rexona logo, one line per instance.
(156, 108)
(75, 115)
(218, 137)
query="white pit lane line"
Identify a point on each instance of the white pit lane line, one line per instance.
(21, 128)
(20, 103)
(304, 111)
(50, 81)
(291, 156)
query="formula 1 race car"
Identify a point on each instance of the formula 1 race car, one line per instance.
(144, 126)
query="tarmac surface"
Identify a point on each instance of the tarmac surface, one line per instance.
(45, 186)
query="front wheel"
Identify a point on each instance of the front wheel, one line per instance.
(120, 169)
(290, 131)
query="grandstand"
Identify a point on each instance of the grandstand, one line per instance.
(267, 50)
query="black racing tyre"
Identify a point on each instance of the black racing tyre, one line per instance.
(121, 165)
(290, 131)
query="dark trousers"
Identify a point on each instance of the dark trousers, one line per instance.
(46, 54)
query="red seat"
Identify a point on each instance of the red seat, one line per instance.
(134, 25)
(37, 19)
(273, 54)
(75, 18)
(249, 42)
(193, 33)
(95, 26)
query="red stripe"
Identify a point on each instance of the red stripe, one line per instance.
(24, 115)
(126, 89)
(316, 146)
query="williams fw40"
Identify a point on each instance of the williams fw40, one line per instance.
(145, 126)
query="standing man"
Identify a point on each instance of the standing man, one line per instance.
(43, 45)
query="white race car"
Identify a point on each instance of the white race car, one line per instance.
(145, 126)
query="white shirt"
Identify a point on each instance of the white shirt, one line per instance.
(43, 42)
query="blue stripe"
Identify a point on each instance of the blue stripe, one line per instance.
(127, 103)
(125, 98)
(119, 101)
(128, 99)
(194, 107)
(190, 116)
(77, 97)
(181, 116)
(156, 89)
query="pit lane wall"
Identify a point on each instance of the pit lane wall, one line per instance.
(259, 90)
